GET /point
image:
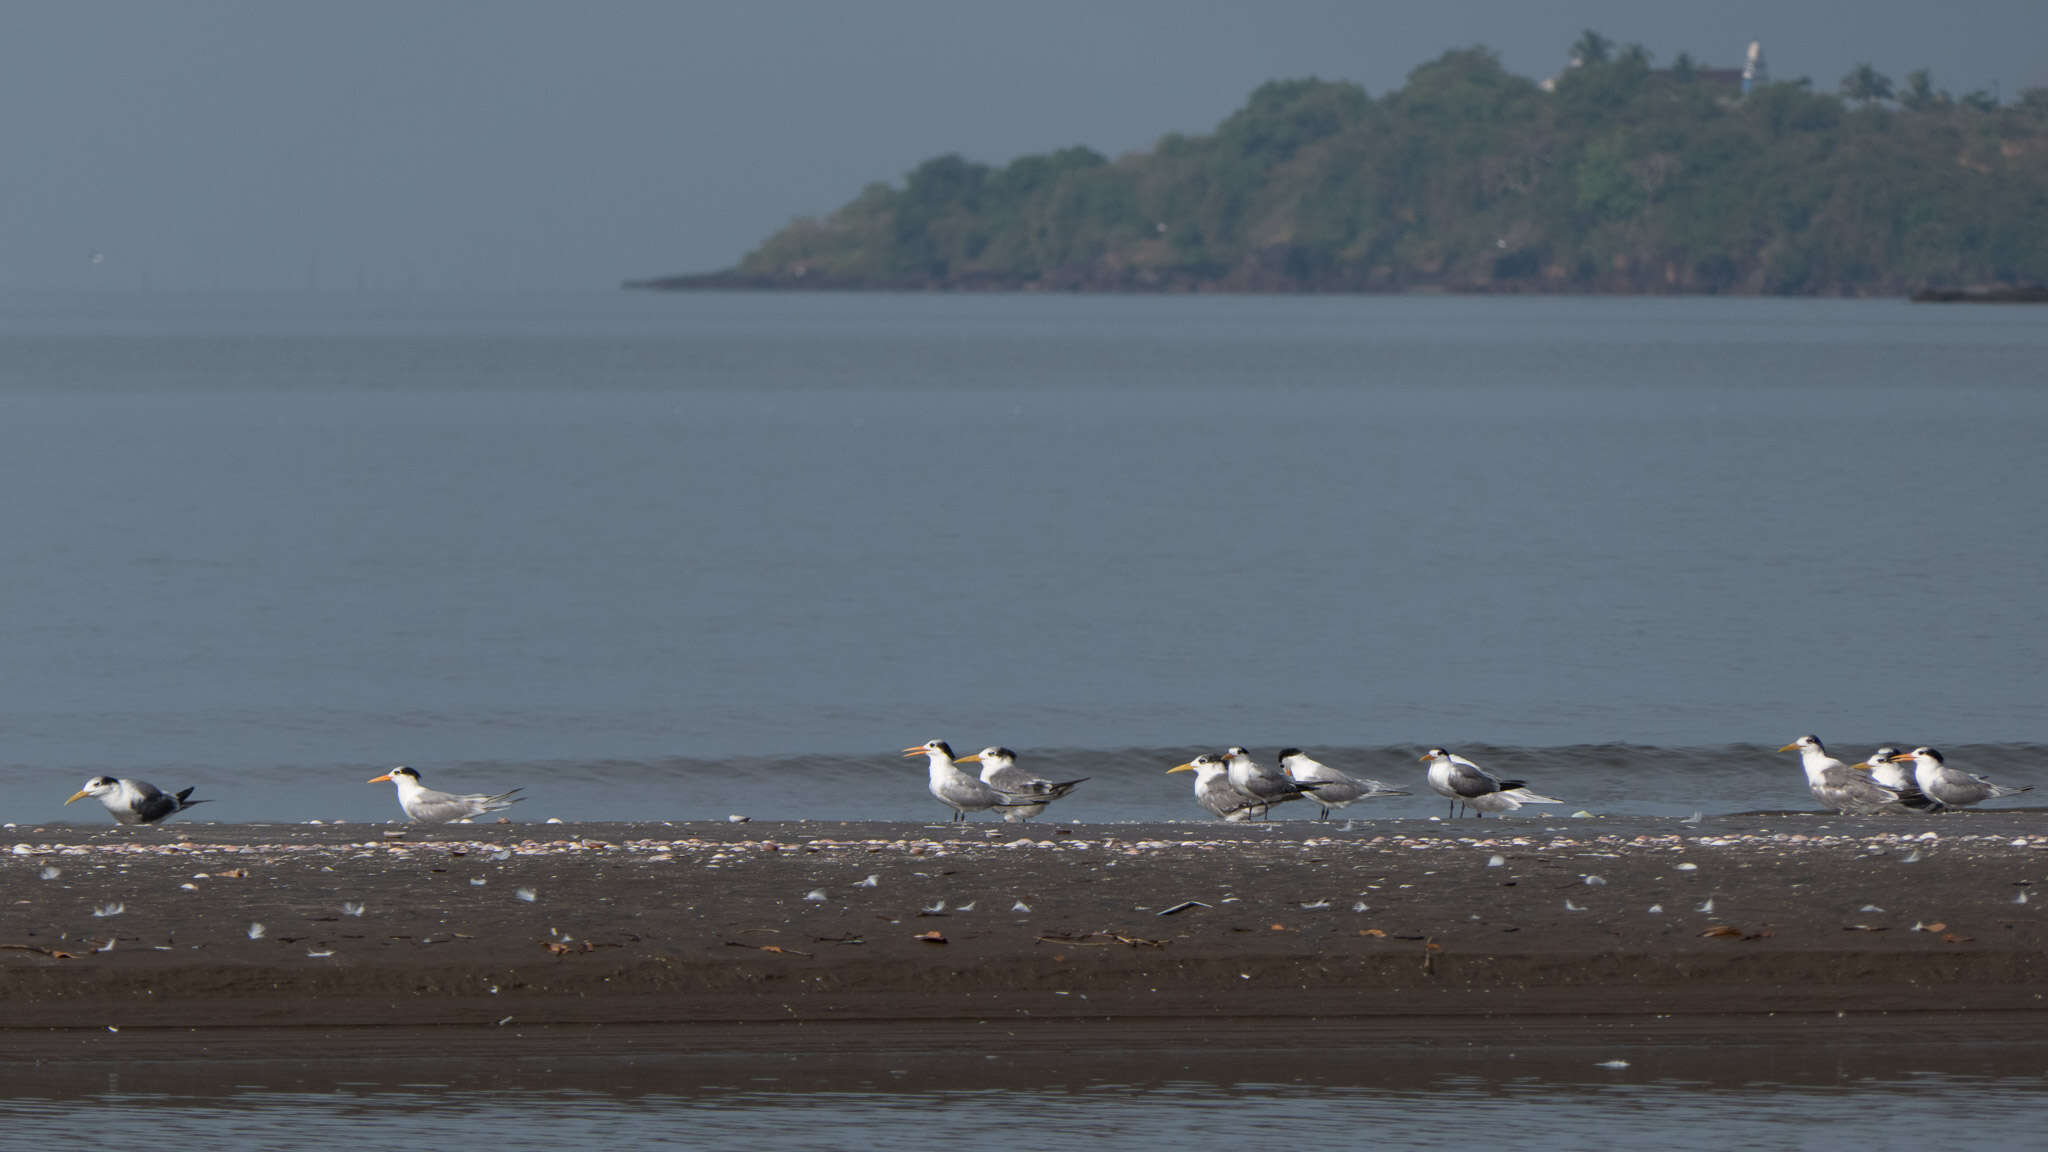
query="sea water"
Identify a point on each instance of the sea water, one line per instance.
(683, 556)
(1239, 1092)
(679, 556)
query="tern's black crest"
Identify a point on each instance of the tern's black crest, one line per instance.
(1286, 752)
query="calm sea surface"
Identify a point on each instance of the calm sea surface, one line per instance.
(1725, 1095)
(644, 554)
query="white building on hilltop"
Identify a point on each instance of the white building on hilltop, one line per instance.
(1754, 72)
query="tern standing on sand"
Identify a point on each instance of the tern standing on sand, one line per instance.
(134, 801)
(1839, 786)
(956, 789)
(1952, 787)
(1463, 782)
(1895, 777)
(426, 806)
(999, 771)
(1213, 789)
(1333, 789)
(1264, 785)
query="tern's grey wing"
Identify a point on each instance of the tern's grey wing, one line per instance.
(1334, 790)
(151, 804)
(1221, 799)
(501, 801)
(1270, 786)
(1847, 790)
(966, 793)
(1955, 789)
(1498, 803)
(1997, 790)
(1468, 781)
(1011, 778)
(429, 806)
(1016, 782)
(1968, 789)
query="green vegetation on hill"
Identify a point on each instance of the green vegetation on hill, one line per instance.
(1622, 178)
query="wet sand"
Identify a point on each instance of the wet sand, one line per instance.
(719, 929)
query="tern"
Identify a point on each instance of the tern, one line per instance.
(1466, 783)
(959, 791)
(426, 806)
(1213, 789)
(1333, 789)
(134, 801)
(1952, 787)
(1839, 786)
(1895, 778)
(999, 771)
(1265, 786)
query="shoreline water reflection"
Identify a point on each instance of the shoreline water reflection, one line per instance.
(1585, 1094)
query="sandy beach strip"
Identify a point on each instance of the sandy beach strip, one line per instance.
(715, 926)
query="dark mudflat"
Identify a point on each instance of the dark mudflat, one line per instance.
(713, 928)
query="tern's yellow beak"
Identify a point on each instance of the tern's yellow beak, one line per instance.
(78, 796)
(1901, 758)
(379, 779)
(1187, 767)
(1789, 748)
(964, 759)
(917, 751)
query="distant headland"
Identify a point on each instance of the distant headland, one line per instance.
(1616, 176)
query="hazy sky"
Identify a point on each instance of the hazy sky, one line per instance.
(558, 145)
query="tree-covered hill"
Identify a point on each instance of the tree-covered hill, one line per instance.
(1619, 178)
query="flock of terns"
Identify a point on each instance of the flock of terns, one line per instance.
(140, 802)
(1881, 783)
(1231, 785)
